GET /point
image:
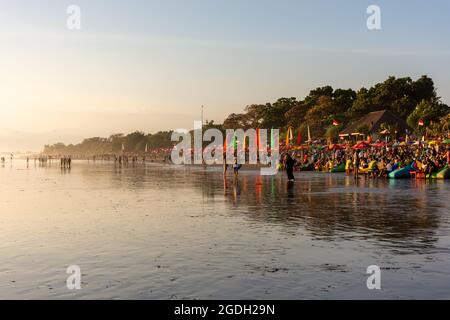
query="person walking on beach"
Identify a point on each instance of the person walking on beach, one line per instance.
(356, 163)
(289, 164)
(448, 155)
(236, 167)
(225, 165)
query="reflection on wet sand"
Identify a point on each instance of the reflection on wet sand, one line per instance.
(161, 231)
(338, 206)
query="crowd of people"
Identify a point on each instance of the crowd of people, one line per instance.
(371, 161)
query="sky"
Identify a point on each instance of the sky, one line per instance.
(150, 65)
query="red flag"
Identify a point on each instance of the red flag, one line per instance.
(299, 137)
(421, 123)
(335, 123)
(257, 138)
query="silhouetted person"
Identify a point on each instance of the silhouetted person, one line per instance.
(289, 164)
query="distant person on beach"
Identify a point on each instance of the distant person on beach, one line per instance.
(356, 163)
(448, 155)
(225, 165)
(289, 164)
(236, 167)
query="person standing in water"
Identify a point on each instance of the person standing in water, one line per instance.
(289, 165)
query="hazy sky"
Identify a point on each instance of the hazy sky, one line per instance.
(150, 65)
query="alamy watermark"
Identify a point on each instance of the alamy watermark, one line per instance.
(73, 281)
(374, 19)
(74, 17)
(233, 149)
(374, 280)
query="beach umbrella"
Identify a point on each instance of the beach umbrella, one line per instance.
(361, 145)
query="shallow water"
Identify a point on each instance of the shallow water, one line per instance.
(165, 232)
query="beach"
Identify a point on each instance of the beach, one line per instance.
(154, 231)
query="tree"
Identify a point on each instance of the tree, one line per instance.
(295, 117)
(428, 111)
(332, 133)
(399, 95)
(273, 114)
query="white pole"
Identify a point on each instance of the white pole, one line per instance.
(202, 116)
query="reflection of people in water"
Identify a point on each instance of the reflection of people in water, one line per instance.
(236, 189)
(225, 185)
(290, 191)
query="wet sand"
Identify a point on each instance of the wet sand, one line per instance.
(165, 232)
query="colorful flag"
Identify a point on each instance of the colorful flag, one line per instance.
(272, 142)
(299, 137)
(309, 134)
(421, 123)
(289, 136)
(257, 138)
(335, 123)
